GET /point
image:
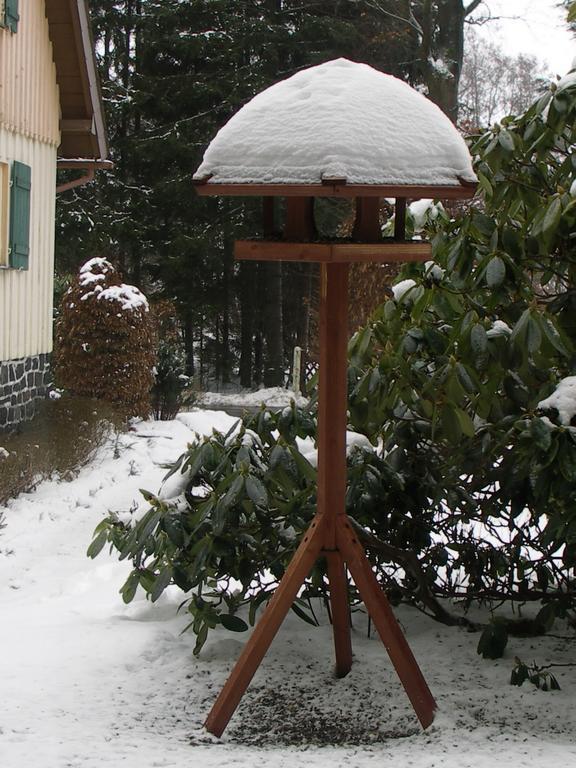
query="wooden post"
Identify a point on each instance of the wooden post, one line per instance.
(332, 391)
(268, 217)
(367, 227)
(400, 219)
(259, 642)
(332, 423)
(330, 534)
(297, 371)
(300, 225)
(340, 605)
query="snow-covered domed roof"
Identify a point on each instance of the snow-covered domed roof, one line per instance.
(338, 120)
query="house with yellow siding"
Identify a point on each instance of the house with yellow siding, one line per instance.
(52, 138)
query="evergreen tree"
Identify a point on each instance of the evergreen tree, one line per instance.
(173, 73)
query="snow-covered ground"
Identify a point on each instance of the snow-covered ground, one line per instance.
(88, 682)
(272, 397)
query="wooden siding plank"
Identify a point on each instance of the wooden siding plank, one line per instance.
(26, 296)
(30, 102)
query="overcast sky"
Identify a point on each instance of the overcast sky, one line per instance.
(539, 28)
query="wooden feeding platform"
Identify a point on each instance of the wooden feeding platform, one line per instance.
(331, 253)
(331, 534)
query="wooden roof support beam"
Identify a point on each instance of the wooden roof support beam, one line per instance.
(300, 224)
(77, 126)
(400, 219)
(206, 187)
(268, 217)
(367, 223)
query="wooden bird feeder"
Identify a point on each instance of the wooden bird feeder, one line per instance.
(251, 156)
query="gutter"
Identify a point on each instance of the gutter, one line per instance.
(80, 164)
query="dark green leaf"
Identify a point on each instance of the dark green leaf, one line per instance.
(161, 581)
(541, 434)
(255, 604)
(465, 379)
(147, 524)
(519, 674)
(554, 684)
(233, 492)
(553, 215)
(506, 141)
(256, 491)
(518, 334)
(553, 336)
(128, 589)
(546, 616)
(478, 339)
(495, 272)
(493, 641)
(97, 544)
(303, 615)
(200, 639)
(233, 623)
(533, 334)
(466, 423)
(304, 466)
(567, 463)
(451, 424)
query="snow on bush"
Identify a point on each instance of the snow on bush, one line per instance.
(405, 290)
(104, 339)
(423, 212)
(562, 400)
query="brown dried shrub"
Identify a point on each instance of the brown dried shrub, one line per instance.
(63, 437)
(105, 346)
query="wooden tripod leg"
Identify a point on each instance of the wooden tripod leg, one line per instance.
(340, 612)
(256, 647)
(388, 628)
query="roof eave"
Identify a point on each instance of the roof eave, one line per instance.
(463, 190)
(83, 128)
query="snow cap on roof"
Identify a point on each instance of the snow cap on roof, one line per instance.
(338, 120)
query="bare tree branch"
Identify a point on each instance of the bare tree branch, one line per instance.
(409, 561)
(472, 7)
(411, 20)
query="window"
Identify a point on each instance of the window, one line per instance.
(19, 234)
(15, 186)
(9, 16)
(4, 208)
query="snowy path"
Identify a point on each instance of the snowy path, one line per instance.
(88, 682)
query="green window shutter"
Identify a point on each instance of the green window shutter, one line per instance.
(11, 15)
(19, 238)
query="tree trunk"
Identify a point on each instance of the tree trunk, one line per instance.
(247, 315)
(226, 296)
(189, 342)
(443, 52)
(272, 322)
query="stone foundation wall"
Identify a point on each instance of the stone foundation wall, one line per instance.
(22, 382)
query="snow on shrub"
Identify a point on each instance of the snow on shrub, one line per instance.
(105, 339)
